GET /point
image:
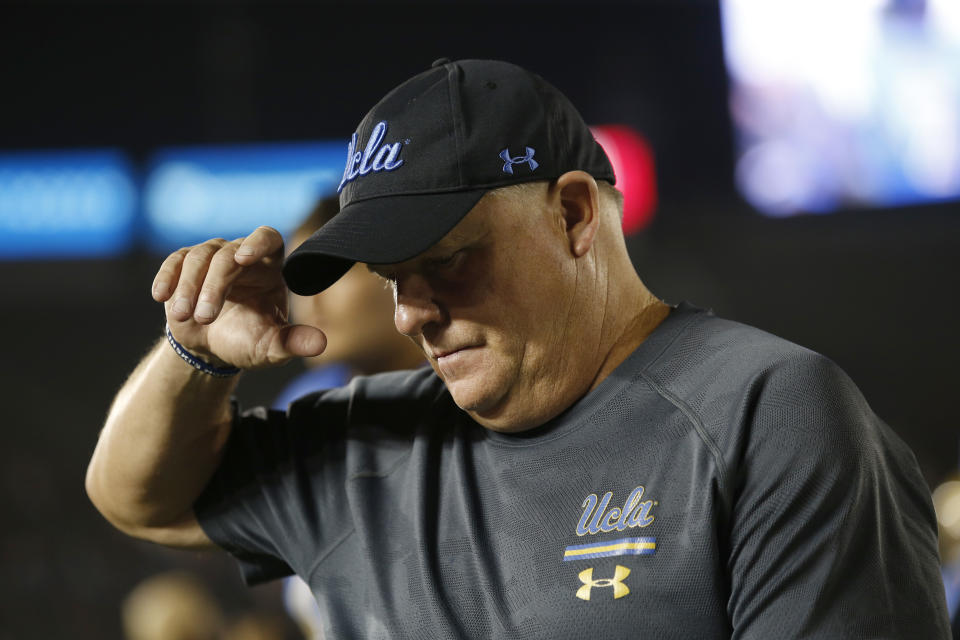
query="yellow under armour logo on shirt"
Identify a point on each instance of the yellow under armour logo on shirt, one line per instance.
(619, 588)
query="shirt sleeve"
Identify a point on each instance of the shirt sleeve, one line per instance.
(280, 471)
(832, 532)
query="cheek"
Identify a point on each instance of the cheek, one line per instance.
(534, 311)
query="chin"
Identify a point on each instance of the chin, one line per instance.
(472, 397)
(484, 392)
(491, 410)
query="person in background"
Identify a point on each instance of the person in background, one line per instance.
(177, 605)
(356, 314)
(254, 626)
(946, 503)
(172, 605)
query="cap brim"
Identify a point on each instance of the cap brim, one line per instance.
(383, 230)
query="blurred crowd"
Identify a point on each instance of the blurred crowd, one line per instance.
(179, 605)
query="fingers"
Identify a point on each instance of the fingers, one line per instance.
(304, 341)
(193, 271)
(194, 281)
(294, 340)
(222, 270)
(264, 243)
(168, 275)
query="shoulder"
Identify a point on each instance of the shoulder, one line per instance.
(394, 400)
(747, 390)
(395, 387)
(713, 359)
(421, 382)
(377, 419)
(370, 422)
(707, 344)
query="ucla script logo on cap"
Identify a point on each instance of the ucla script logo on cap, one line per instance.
(374, 157)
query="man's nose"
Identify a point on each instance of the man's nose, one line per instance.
(416, 305)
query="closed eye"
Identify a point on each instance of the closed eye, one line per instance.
(445, 262)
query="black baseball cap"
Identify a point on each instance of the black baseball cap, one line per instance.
(429, 150)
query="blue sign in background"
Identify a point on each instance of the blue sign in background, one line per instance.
(96, 203)
(195, 193)
(60, 204)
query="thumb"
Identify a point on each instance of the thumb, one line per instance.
(303, 340)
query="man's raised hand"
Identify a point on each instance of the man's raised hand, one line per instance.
(227, 302)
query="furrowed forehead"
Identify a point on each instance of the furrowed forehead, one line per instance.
(474, 226)
(449, 243)
(455, 240)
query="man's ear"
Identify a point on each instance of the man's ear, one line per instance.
(580, 202)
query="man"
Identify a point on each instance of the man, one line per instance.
(582, 458)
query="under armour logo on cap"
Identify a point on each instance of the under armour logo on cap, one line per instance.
(508, 162)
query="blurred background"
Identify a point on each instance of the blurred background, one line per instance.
(795, 166)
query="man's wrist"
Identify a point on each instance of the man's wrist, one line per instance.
(198, 362)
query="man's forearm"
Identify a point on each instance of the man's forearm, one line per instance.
(160, 444)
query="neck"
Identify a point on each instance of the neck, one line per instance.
(639, 315)
(618, 330)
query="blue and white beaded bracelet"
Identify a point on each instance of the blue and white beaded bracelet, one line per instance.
(197, 363)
